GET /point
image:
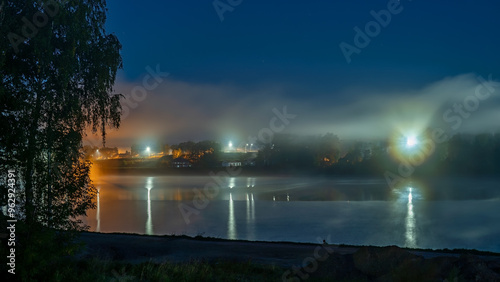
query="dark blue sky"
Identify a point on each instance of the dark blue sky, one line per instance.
(294, 46)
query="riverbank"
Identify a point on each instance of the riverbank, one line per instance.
(285, 260)
(138, 166)
(262, 172)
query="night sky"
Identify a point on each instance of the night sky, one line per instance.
(228, 71)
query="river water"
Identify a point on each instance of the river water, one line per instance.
(437, 213)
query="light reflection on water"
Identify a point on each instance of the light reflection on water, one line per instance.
(405, 195)
(250, 217)
(98, 212)
(353, 211)
(410, 234)
(149, 221)
(231, 229)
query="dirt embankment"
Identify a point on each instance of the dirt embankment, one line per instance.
(300, 261)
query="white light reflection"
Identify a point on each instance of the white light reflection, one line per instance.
(250, 182)
(98, 213)
(250, 217)
(149, 222)
(248, 207)
(231, 225)
(253, 208)
(410, 235)
(231, 182)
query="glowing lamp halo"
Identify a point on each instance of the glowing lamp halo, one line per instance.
(411, 141)
(410, 148)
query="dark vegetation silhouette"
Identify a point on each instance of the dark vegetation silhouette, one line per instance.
(462, 154)
(56, 77)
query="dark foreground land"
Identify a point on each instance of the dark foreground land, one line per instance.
(129, 257)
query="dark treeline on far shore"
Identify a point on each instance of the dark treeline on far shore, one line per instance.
(461, 154)
(327, 154)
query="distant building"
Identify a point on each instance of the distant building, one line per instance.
(180, 162)
(231, 163)
(125, 155)
(107, 153)
(236, 159)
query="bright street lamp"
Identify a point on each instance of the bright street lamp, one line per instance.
(411, 141)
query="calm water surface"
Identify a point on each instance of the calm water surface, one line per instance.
(442, 213)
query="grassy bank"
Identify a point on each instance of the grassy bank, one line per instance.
(132, 257)
(109, 270)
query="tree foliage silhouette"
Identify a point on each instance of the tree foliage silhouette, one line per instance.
(57, 70)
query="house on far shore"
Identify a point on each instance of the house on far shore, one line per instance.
(107, 153)
(237, 159)
(231, 163)
(180, 162)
